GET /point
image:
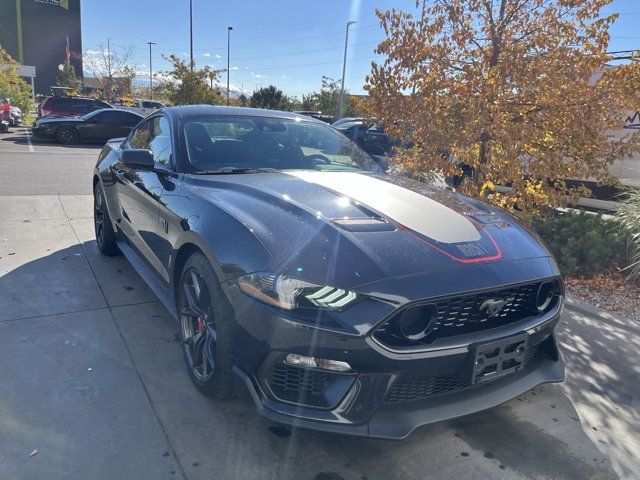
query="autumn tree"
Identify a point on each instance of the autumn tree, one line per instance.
(12, 86)
(517, 92)
(188, 85)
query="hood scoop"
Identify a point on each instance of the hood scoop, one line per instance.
(365, 224)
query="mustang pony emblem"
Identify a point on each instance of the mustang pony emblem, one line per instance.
(492, 307)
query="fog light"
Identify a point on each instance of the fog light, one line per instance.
(314, 362)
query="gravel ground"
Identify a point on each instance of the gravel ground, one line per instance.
(609, 293)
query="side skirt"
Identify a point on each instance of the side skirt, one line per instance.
(149, 278)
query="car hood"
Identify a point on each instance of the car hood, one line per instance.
(347, 229)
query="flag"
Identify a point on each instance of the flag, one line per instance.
(67, 52)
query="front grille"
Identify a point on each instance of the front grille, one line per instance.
(423, 388)
(292, 379)
(466, 314)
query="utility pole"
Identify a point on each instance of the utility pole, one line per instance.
(109, 57)
(109, 68)
(344, 68)
(191, 32)
(228, 59)
(150, 71)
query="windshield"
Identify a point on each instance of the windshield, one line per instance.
(218, 142)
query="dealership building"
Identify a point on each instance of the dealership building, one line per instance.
(36, 34)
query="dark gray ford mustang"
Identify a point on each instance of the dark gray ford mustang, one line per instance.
(306, 280)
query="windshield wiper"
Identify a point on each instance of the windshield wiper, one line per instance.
(234, 170)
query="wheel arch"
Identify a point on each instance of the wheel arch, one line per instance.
(190, 246)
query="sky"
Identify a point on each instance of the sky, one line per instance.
(288, 43)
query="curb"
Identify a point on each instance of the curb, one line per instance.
(609, 318)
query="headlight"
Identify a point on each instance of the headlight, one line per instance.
(289, 293)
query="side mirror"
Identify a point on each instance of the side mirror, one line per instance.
(382, 161)
(137, 157)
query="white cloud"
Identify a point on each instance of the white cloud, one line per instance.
(257, 76)
(217, 56)
(206, 55)
(285, 76)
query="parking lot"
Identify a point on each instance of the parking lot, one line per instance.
(93, 385)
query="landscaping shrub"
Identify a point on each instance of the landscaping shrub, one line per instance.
(629, 216)
(585, 243)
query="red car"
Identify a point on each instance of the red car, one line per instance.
(5, 114)
(58, 106)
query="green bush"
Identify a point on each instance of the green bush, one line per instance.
(629, 216)
(585, 243)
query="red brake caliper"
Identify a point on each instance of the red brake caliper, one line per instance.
(200, 325)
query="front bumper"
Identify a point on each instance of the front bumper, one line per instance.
(389, 394)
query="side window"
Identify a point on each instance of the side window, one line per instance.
(155, 135)
(129, 119)
(160, 143)
(106, 117)
(140, 136)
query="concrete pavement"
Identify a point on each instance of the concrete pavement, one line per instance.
(92, 377)
(33, 167)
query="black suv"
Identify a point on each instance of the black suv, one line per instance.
(69, 106)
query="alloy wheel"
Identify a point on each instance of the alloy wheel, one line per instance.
(197, 324)
(98, 216)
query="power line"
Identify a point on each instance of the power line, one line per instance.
(279, 42)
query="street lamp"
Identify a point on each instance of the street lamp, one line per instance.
(344, 68)
(228, 57)
(191, 32)
(150, 72)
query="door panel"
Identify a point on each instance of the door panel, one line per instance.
(140, 192)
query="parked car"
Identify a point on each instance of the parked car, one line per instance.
(15, 117)
(376, 141)
(346, 120)
(142, 107)
(100, 125)
(316, 115)
(5, 114)
(354, 130)
(330, 295)
(61, 106)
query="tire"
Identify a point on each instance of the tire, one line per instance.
(206, 327)
(67, 135)
(105, 236)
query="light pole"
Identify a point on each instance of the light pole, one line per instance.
(228, 59)
(191, 32)
(150, 72)
(344, 68)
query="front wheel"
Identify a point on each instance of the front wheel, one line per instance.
(105, 236)
(206, 327)
(67, 135)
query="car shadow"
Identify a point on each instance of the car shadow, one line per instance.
(538, 434)
(24, 137)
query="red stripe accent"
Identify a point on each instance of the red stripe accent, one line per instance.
(497, 256)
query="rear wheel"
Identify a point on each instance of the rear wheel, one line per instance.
(206, 328)
(105, 236)
(67, 135)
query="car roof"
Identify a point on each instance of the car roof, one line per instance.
(184, 111)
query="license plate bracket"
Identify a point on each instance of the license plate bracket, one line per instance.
(498, 358)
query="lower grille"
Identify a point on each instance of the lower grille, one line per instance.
(290, 378)
(421, 389)
(307, 386)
